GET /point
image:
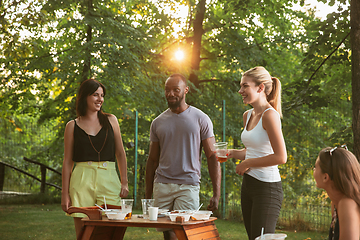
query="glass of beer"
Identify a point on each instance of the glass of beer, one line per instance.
(126, 206)
(221, 151)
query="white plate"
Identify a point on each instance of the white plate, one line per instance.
(163, 211)
(180, 211)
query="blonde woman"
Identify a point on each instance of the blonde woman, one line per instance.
(261, 191)
(337, 171)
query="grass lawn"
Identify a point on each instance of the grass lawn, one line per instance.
(48, 222)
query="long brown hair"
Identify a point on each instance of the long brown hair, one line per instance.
(343, 169)
(87, 88)
(272, 86)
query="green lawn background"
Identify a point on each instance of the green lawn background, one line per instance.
(49, 222)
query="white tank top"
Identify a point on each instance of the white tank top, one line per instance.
(257, 145)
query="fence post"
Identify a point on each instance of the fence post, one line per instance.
(43, 178)
(136, 156)
(2, 176)
(223, 165)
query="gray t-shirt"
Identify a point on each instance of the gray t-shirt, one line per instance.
(179, 137)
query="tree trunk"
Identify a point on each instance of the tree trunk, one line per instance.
(198, 32)
(355, 68)
(87, 61)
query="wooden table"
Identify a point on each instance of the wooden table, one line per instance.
(99, 227)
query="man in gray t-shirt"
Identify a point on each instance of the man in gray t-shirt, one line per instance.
(173, 168)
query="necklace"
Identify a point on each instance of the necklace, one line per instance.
(102, 145)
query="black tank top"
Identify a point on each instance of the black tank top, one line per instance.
(84, 151)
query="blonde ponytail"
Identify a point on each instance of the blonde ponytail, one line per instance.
(274, 97)
(272, 86)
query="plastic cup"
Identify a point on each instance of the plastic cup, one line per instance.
(221, 151)
(153, 213)
(272, 236)
(146, 203)
(126, 207)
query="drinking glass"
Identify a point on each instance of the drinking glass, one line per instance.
(221, 151)
(146, 203)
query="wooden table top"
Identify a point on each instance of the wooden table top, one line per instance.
(136, 221)
(97, 226)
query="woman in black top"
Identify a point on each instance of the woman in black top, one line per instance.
(337, 171)
(93, 142)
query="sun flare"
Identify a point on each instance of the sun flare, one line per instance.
(179, 55)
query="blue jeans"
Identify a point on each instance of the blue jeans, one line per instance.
(260, 205)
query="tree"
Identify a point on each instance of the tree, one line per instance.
(236, 36)
(129, 46)
(355, 69)
(70, 41)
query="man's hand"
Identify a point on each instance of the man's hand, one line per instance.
(213, 205)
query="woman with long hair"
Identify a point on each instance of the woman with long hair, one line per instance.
(261, 191)
(337, 171)
(92, 142)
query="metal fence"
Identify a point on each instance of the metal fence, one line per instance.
(296, 216)
(305, 217)
(17, 184)
(30, 141)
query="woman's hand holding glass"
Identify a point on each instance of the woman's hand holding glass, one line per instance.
(221, 151)
(222, 155)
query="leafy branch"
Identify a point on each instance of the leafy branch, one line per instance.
(323, 62)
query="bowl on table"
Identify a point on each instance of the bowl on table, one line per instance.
(201, 215)
(272, 236)
(179, 213)
(115, 214)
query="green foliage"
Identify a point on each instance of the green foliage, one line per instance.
(129, 45)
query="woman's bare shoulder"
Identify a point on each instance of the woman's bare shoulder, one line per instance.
(112, 117)
(71, 123)
(113, 120)
(348, 203)
(246, 112)
(271, 112)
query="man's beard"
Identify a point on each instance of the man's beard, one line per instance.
(176, 104)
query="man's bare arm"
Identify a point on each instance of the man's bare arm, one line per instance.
(151, 165)
(214, 171)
